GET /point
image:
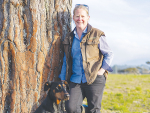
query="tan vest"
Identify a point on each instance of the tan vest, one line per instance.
(91, 55)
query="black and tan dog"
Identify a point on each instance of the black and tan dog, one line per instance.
(56, 95)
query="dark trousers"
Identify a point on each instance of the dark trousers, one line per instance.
(92, 92)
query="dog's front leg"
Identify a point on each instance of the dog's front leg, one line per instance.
(63, 107)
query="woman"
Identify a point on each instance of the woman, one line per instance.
(86, 61)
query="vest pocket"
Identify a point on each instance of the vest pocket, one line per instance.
(92, 50)
(93, 42)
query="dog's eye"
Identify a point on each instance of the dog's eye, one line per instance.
(59, 87)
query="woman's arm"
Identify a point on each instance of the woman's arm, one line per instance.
(108, 56)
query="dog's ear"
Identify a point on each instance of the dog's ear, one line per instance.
(66, 83)
(47, 85)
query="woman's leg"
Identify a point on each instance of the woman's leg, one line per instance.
(94, 94)
(73, 105)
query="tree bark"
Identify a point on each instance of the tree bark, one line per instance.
(31, 52)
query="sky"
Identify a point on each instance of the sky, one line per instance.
(126, 24)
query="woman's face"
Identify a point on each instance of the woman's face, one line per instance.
(81, 18)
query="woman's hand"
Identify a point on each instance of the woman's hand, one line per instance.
(101, 71)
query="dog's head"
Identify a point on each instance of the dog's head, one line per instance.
(57, 90)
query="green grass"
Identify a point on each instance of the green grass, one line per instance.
(126, 94)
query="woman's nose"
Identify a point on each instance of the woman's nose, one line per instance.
(80, 18)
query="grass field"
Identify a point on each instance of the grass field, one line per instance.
(126, 94)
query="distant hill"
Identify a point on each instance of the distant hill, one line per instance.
(143, 68)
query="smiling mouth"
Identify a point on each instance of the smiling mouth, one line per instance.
(80, 23)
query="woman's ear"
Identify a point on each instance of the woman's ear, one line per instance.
(73, 17)
(88, 18)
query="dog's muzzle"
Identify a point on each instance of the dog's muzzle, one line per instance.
(67, 97)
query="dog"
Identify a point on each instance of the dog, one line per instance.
(54, 101)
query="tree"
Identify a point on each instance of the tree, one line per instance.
(30, 50)
(129, 70)
(148, 62)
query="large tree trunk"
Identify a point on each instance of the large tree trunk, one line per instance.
(30, 50)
